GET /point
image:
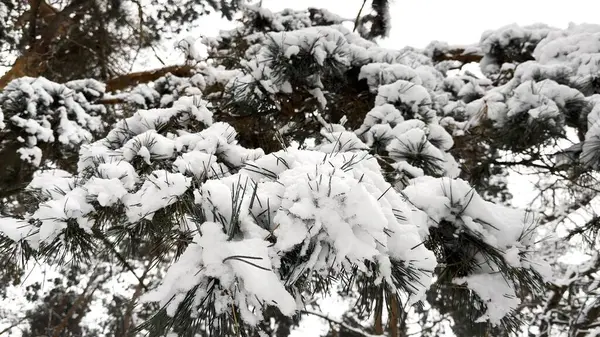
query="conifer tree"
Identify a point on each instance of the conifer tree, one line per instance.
(301, 160)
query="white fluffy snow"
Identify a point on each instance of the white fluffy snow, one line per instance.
(267, 221)
(48, 112)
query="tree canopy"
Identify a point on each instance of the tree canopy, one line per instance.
(296, 162)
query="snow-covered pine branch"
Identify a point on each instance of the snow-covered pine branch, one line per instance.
(367, 195)
(42, 121)
(266, 228)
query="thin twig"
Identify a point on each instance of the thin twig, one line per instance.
(341, 324)
(358, 15)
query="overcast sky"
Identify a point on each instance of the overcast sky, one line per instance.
(417, 22)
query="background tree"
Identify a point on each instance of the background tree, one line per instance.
(66, 40)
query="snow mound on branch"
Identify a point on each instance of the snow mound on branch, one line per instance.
(288, 215)
(46, 112)
(508, 232)
(163, 186)
(440, 198)
(242, 267)
(378, 74)
(415, 97)
(510, 43)
(15, 229)
(290, 19)
(166, 90)
(270, 62)
(535, 102)
(52, 183)
(113, 172)
(569, 45)
(415, 146)
(496, 292)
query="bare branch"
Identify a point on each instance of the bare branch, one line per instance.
(341, 324)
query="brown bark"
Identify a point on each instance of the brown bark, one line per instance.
(378, 326)
(25, 65)
(39, 9)
(457, 54)
(394, 315)
(81, 301)
(32, 62)
(129, 80)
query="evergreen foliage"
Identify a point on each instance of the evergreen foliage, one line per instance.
(302, 160)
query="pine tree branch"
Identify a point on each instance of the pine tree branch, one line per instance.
(130, 306)
(81, 299)
(457, 54)
(32, 62)
(379, 314)
(524, 162)
(111, 100)
(109, 245)
(129, 80)
(358, 15)
(558, 292)
(19, 321)
(393, 313)
(341, 324)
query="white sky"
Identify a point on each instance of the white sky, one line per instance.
(418, 22)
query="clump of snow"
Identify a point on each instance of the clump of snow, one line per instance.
(242, 269)
(52, 182)
(168, 90)
(163, 186)
(510, 40)
(414, 143)
(440, 198)
(378, 74)
(414, 97)
(544, 101)
(15, 229)
(335, 210)
(496, 293)
(507, 230)
(290, 19)
(46, 112)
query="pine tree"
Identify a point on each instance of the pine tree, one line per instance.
(302, 160)
(50, 38)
